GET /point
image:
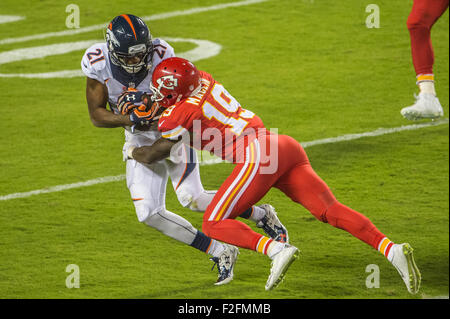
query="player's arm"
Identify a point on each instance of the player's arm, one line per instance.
(97, 97)
(172, 132)
(153, 153)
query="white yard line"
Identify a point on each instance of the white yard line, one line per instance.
(9, 18)
(347, 137)
(64, 187)
(377, 132)
(154, 17)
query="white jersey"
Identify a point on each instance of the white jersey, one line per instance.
(96, 64)
(147, 184)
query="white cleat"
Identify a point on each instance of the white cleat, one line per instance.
(427, 106)
(225, 264)
(280, 265)
(403, 261)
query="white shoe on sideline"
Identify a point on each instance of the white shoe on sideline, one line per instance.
(427, 106)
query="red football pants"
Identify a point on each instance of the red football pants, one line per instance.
(423, 15)
(293, 175)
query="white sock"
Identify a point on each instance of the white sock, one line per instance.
(216, 248)
(390, 255)
(258, 213)
(427, 87)
(274, 248)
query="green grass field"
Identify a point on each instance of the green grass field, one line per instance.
(310, 68)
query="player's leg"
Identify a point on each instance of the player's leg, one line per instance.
(423, 15)
(239, 192)
(243, 188)
(147, 188)
(184, 173)
(305, 187)
(266, 217)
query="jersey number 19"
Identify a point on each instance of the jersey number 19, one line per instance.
(226, 110)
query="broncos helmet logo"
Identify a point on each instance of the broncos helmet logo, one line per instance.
(111, 37)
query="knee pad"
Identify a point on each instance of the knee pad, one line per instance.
(184, 197)
(322, 205)
(424, 20)
(195, 202)
(145, 209)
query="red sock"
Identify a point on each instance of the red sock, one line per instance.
(236, 233)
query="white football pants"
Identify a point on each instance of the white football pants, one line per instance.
(147, 185)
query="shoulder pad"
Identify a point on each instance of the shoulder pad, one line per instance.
(93, 62)
(162, 50)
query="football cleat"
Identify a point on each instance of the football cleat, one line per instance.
(280, 264)
(427, 106)
(272, 226)
(403, 261)
(225, 264)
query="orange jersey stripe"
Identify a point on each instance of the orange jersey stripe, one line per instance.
(127, 18)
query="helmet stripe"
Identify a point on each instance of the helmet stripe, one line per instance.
(127, 18)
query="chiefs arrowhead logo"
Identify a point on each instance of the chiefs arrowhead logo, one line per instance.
(168, 82)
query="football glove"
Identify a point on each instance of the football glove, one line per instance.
(143, 115)
(131, 98)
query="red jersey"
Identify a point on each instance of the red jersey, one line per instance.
(216, 120)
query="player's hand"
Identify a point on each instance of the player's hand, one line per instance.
(143, 115)
(130, 99)
(125, 108)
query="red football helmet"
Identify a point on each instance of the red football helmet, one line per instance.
(174, 79)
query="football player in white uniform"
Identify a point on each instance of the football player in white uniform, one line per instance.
(126, 62)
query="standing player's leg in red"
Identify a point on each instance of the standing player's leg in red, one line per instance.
(423, 15)
(305, 187)
(243, 188)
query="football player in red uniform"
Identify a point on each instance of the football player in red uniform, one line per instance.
(201, 112)
(424, 14)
